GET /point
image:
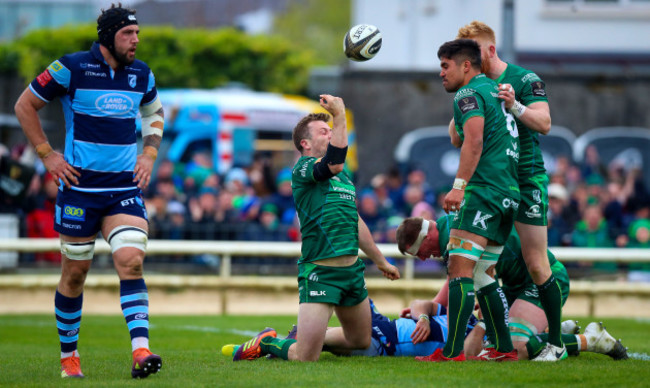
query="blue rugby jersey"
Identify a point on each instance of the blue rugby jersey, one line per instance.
(100, 106)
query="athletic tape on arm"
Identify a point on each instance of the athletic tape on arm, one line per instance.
(152, 121)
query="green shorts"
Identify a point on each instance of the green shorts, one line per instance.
(529, 291)
(486, 212)
(533, 204)
(340, 286)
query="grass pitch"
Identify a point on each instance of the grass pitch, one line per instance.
(191, 350)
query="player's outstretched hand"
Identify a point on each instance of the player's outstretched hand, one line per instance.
(421, 332)
(390, 271)
(56, 165)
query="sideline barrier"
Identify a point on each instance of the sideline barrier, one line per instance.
(228, 250)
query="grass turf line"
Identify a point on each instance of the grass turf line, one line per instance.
(191, 351)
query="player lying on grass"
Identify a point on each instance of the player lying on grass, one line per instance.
(424, 239)
(405, 336)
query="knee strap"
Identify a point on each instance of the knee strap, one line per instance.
(521, 329)
(78, 250)
(488, 259)
(465, 248)
(127, 236)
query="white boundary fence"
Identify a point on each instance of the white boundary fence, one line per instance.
(229, 250)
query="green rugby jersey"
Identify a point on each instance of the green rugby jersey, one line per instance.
(327, 212)
(497, 167)
(529, 88)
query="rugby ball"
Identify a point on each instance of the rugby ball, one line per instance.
(362, 42)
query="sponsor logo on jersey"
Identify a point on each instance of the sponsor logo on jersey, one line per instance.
(90, 65)
(114, 104)
(44, 78)
(317, 293)
(533, 212)
(55, 66)
(89, 73)
(537, 196)
(464, 93)
(530, 76)
(513, 153)
(70, 226)
(313, 277)
(468, 104)
(538, 89)
(74, 213)
(132, 79)
(128, 201)
(479, 220)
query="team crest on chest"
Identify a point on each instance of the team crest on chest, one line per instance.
(132, 79)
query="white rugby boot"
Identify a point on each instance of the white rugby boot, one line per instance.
(552, 353)
(600, 341)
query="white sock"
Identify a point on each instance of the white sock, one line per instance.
(139, 342)
(70, 354)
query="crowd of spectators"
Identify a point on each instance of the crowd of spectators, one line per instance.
(590, 204)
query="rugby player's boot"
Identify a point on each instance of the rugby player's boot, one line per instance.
(552, 353)
(570, 327)
(600, 341)
(250, 350)
(229, 350)
(438, 357)
(145, 363)
(71, 367)
(491, 354)
(293, 333)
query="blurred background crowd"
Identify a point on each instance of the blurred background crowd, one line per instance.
(590, 205)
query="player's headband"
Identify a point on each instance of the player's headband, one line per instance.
(110, 22)
(413, 249)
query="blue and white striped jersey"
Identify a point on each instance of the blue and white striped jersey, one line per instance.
(100, 106)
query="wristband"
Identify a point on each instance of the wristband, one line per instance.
(517, 109)
(43, 150)
(424, 316)
(481, 324)
(150, 152)
(459, 184)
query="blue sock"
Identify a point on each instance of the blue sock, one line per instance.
(68, 321)
(134, 299)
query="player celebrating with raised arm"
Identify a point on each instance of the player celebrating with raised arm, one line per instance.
(525, 97)
(101, 174)
(484, 195)
(330, 275)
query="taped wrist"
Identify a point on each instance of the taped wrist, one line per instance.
(335, 155)
(152, 121)
(43, 150)
(517, 109)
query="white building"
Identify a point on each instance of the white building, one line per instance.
(594, 30)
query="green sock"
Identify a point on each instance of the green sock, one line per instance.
(276, 346)
(494, 307)
(569, 341)
(550, 296)
(534, 345)
(460, 307)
